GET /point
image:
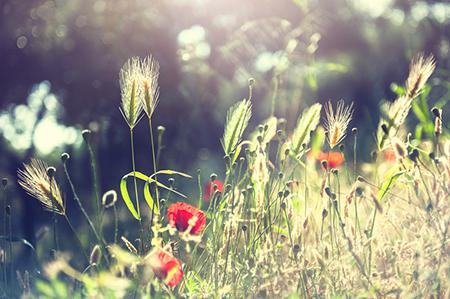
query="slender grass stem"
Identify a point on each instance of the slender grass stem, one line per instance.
(155, 166)
(372, 226)
(136, 194)
(5, 227)
(274, 95)
(11, 260)
(80, 244)
(96, 204)
(199, 186)
(116, 223)
(85, 214)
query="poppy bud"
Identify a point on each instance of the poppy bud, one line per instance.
(51, 172)
(286, 152)
(259, 138)
(244, 227)
(324, 213)
(432, 156)
(436, 112)
(354, 131)
(161, 130)
(324, 164)
(414, 155)
(374, 155)
(86, 135)
(65, 157)
(251, 81)
(4, 182)
(429, 206)
(359, 191)
(385, 129)
(361, 179)
(211, 187)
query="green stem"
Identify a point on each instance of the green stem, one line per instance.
(76, 236)
(11, 262)
(116, 224)
(5, 279)
(154, 167)
(96, 187)
(370, 238)
(274, 95)
(83, 211)
(136, 189)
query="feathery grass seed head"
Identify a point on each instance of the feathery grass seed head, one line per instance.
(336, 123)
(419, 71)
(130, 79)
(149, 79)
(37, 181)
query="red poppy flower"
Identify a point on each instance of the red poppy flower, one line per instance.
(182, 216)
(389, 155)
(209, 189)
(335, 159)
(167, 268)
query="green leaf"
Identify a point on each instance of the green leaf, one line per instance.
(389, 181)
(159, 184)
(147, 194)
(238, 117)
(126, 196)
(17, 239)
(306, 123)
(149, 199)
(171, 172)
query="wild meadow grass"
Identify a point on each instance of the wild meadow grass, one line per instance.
(298, 214)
